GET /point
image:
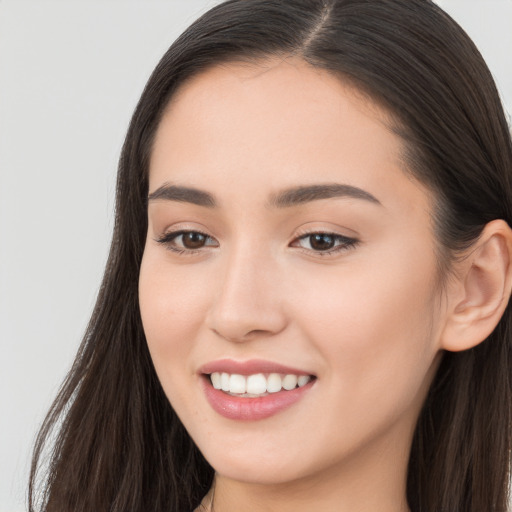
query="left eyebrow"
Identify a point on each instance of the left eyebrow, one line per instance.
(183, 194)
(305, 194)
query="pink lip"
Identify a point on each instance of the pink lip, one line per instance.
(249, 367)
(250, 409)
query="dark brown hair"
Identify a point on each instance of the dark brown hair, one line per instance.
(112, 442)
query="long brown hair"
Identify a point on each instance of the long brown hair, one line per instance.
(112, 442)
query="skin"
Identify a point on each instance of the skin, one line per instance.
(366, 320)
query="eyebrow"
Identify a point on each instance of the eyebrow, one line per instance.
(283, 199)
(183, 194)
(307, 193)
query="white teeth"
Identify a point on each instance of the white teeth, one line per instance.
(237, 384)
(257, 384)
(290, 382)
(274, 383)
(224, 380)
(303, 380)
(216, 380)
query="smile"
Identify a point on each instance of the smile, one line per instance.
(258, 384)
(253, 390)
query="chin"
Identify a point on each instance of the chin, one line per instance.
(266, 472)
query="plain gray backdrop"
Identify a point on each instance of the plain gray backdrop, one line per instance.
(71, 73)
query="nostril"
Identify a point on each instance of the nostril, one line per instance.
(235, 335)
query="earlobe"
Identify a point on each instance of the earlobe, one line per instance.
(482, 289)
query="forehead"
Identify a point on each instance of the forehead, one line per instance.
(271, 124)
(275, 94)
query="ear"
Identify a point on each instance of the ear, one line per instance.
(481, 291)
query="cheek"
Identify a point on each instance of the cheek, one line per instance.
(172, 306)
(374, 324)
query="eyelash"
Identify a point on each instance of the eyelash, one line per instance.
(343, 243)
(168, 239)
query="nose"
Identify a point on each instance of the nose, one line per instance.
(249, 301)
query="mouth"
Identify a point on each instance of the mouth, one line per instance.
(253, 390)
(257, 384)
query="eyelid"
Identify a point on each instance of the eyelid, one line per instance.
(187, 226)
(168, 237)
(348, 242)
(171, 235)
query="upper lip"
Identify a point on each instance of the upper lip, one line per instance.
(249, 367)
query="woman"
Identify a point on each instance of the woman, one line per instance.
(306, 301)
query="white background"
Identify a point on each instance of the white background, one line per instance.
(70, 75)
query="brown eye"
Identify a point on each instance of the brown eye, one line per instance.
(187, 241)
(324, 243)
(321, 241)
(193, 240)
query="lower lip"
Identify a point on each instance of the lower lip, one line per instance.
(252, 409)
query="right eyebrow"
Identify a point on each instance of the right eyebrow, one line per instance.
(191, 195)
(307, 193)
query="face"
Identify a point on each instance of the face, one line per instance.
(290, 260)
